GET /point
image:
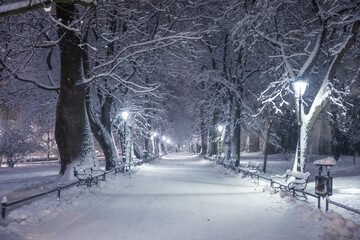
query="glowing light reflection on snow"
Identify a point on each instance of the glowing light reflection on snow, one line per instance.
(180, 156)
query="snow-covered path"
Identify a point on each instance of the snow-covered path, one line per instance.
(179, 197)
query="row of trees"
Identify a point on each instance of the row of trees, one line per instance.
(227, 63)
(259, 48)
(99, 58)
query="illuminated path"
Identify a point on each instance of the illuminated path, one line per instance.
(181, 197)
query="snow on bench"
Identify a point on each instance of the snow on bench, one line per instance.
(251, 169)
(88, 175)
(212, 158)
(229, 163)
(137, 162)
(122, 167)
(293, 181)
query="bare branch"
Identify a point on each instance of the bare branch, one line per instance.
(314, 54)
(28, 5)
(282, 49)
(37, 84)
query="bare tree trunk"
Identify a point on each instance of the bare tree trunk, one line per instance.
(72, 129)
(266, 152)
(213, 135)
(146, 142)
(227, 139)
(101, 128)
(354, 158)
(157, 145)
(203, 136)
(237, 133)
(203, 130)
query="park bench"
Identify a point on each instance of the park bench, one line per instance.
(293, 181)
(219, 159)
(229, 163)
(251, 169)
(137, 162)
(122, 167)
(88, 176)
(119, 167)
(212, 158)
(151, 157)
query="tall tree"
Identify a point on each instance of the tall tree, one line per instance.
(72, 129)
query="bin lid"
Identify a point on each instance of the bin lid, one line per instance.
(329, 161)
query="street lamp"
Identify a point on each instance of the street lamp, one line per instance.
(220, 129)
(125, 116)
(299, 87)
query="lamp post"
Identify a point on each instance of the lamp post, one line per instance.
(299, 87)
(220, 129)
(125, 116)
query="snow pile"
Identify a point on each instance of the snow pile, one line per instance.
(338, 228)
(335, 226)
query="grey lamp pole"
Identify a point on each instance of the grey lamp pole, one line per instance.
(298, 168)
(300, 87)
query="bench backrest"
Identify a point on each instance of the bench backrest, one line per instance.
(299, 175)
(82, 171)
(253, 165)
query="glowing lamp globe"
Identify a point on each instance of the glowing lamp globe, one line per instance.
(300, 87)
(220, 128)
(125, 115)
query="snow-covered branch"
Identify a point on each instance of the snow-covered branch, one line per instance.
(145, 43)
(37, 84)
(314, 54)
(281, 45)
(339, 54)
(28, 5)
(323, 95)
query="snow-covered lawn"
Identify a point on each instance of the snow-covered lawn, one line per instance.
(179, 197)
(23, 181)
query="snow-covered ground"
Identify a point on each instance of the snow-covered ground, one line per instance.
(23, 181)
(179, 197)
(346, 179)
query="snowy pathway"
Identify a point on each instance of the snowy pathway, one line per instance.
(180, 197)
